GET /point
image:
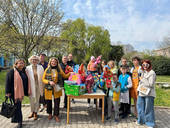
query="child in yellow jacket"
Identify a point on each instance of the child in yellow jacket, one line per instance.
(114, 93)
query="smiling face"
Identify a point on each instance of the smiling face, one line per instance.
(145, 66)
(54, 62)
(20, 65)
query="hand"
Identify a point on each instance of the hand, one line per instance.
(51, 83)
(8, 94)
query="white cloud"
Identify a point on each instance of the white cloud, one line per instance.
(124, 20)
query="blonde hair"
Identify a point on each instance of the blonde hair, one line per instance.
(16, 62)
(35, 57)
(111, 62)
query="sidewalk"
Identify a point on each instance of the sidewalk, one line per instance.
(83, 117)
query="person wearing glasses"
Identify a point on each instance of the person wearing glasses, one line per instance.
(146, 96)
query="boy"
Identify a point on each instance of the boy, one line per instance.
(126, 83)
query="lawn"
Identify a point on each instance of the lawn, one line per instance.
(162, 95)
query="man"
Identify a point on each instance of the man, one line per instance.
(70, 61)
(44, 65)
(42, 61)
(63, 65)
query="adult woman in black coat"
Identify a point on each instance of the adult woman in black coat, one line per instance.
(17, 86)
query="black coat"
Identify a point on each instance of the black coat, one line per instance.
(9, 88)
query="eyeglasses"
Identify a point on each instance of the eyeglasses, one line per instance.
(145, 65)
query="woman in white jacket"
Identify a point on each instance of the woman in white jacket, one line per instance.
(35, 73)
(146, 96)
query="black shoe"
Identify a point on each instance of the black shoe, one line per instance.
(108, 118)
(19, 125)
(116, 120)
(124, 116)
(73, 101)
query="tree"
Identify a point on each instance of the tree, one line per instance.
(98, 42)
(75, 33)
(85, 40)
(116, 52)
(29, 22)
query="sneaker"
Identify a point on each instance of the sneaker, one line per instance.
(88, 105)
(116, 120)
(108, 118)
(138, 123)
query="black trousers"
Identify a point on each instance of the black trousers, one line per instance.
(65, 101)
(17, 118)
(42, 100)
(95, 100)
(124, 107)
(56, 106)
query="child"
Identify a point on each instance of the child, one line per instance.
(114, 93)
(126, 83)
(112, 66)
(92, 67)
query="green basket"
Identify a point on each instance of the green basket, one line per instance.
(74, 90)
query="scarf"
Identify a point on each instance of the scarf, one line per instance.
(18, 86)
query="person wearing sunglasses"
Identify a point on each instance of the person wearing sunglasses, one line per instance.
(146, 95)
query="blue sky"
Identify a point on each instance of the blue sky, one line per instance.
(141, 23)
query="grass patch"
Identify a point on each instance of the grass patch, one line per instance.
(162, 97)
(162, 78)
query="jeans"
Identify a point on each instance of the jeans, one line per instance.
(145, 108)
(56, 106)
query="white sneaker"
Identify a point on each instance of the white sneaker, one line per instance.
(138, 123)
(88, 105)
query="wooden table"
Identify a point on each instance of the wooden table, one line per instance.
(97, 95)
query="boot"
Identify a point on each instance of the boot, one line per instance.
(32, 115)
(50, 117)
(35, 116)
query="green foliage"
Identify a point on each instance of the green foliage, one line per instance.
(116, 53)
(85, 40)
(160, 64)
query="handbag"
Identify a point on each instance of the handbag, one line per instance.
(8, 109)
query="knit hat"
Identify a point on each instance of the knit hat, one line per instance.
(92, 57)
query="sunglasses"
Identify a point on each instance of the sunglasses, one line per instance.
(145, 65)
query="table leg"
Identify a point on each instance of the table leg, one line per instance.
(96, 104)
(68, 108)
(103, 109)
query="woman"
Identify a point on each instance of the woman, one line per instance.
(18, 86)
(50, 79)
(145, 101)
(35, 73)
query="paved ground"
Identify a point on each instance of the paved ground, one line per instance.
(83, 117)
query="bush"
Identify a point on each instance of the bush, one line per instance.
(160, 64)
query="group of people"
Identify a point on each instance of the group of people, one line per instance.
(40, 79)
(126, 84)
